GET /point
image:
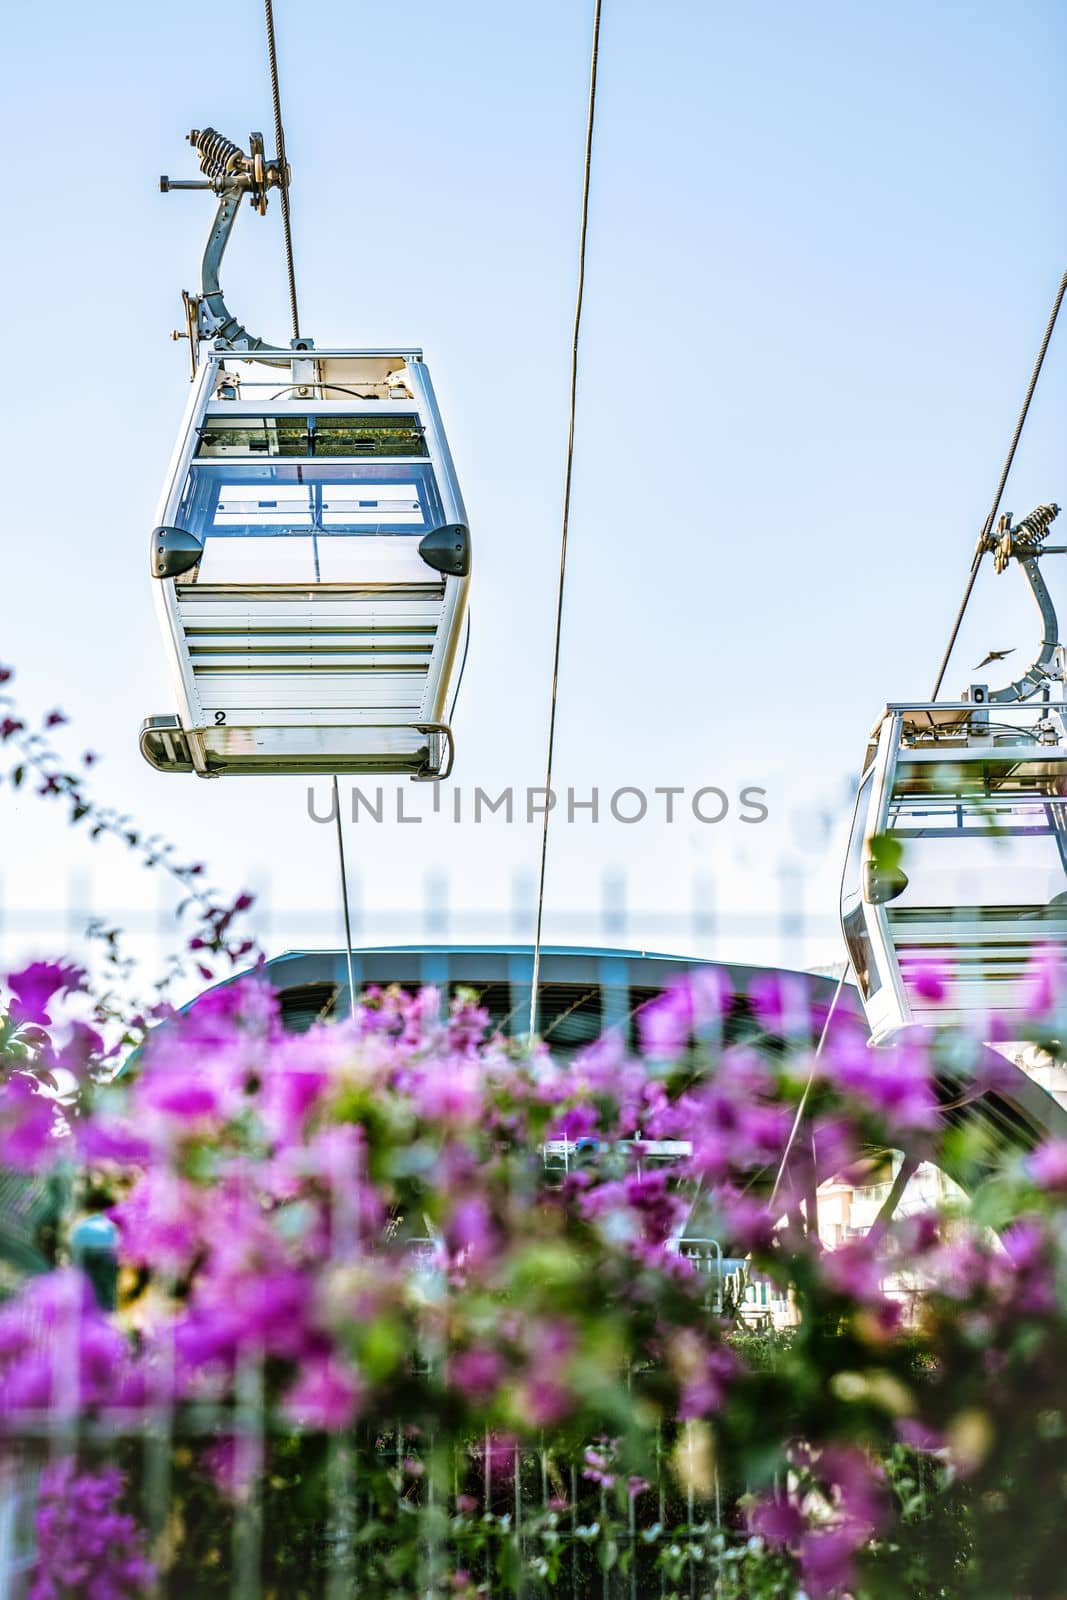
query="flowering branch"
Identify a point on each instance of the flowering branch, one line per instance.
(214, 934)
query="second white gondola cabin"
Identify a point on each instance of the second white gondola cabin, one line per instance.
(311, 565)
(956, 876)
(955, 883)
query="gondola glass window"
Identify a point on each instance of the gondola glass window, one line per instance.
(982, 852)
(295, 517)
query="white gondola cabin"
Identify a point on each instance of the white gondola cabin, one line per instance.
(956, 874)
(311, 562)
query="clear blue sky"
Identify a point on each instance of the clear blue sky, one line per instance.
(823, 243)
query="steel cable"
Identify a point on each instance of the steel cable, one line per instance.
(568, 477)
(283, 165)
(287, 230)
(980, 548)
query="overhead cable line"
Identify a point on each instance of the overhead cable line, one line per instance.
(983, 541)
(802, 1103)
(287, 231)
(568, 476)
(283, 164)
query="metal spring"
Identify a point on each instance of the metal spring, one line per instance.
(1033, 528)
(219, 156)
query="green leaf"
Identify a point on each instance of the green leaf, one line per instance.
(887, 852)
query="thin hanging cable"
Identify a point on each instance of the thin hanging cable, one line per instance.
(980, 548)
(344, 894)
(582, 237)
(824, 1034)
(283, 163)
(803, 1101)
(287, 230)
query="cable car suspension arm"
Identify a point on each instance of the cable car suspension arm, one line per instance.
(231, 174)
(1023, 543)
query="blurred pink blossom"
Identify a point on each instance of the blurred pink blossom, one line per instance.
(35, 985)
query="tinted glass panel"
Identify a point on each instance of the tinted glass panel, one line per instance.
(309, 522)
(335, 435)
(998, 848)
(241, 500)
(860, 951)
(368, 436)
(254, 436)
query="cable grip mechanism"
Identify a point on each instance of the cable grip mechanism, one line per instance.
(231, 173)
(1023, 542)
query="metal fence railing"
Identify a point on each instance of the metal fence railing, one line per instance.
(782, 931)
(553, 1512)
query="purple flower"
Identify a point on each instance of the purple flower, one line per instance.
(184, 1099)
(1029, 1250)
(691, 1004)
(894, 1085)
(325, 1395)
(782, 1003)
(1047, 1166)
(100, 1140)
(743, 1221)
(580, 1122)
(930, 977)
(245, 1302)
(658, 1206)
(469, 1232)
(599, 1462)
(834, 1145)
(27, 1125)
(919, 1436)
(232, 1464)
(665, 1024)
(497, 1460)
(775, 1518)
(85, 1545)
(544, 1401)
(35, 985)
(856, 1483)
(80, 1053)
(476, 1373)
(467, 1024)
(449, 1091)
(59, 1353)
(220, 1016)
(706, 1373)
(853, 1506)
(290, 1093)
(827, 1559)
(165, 1222)
(1043, 985)
(854, 1270)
